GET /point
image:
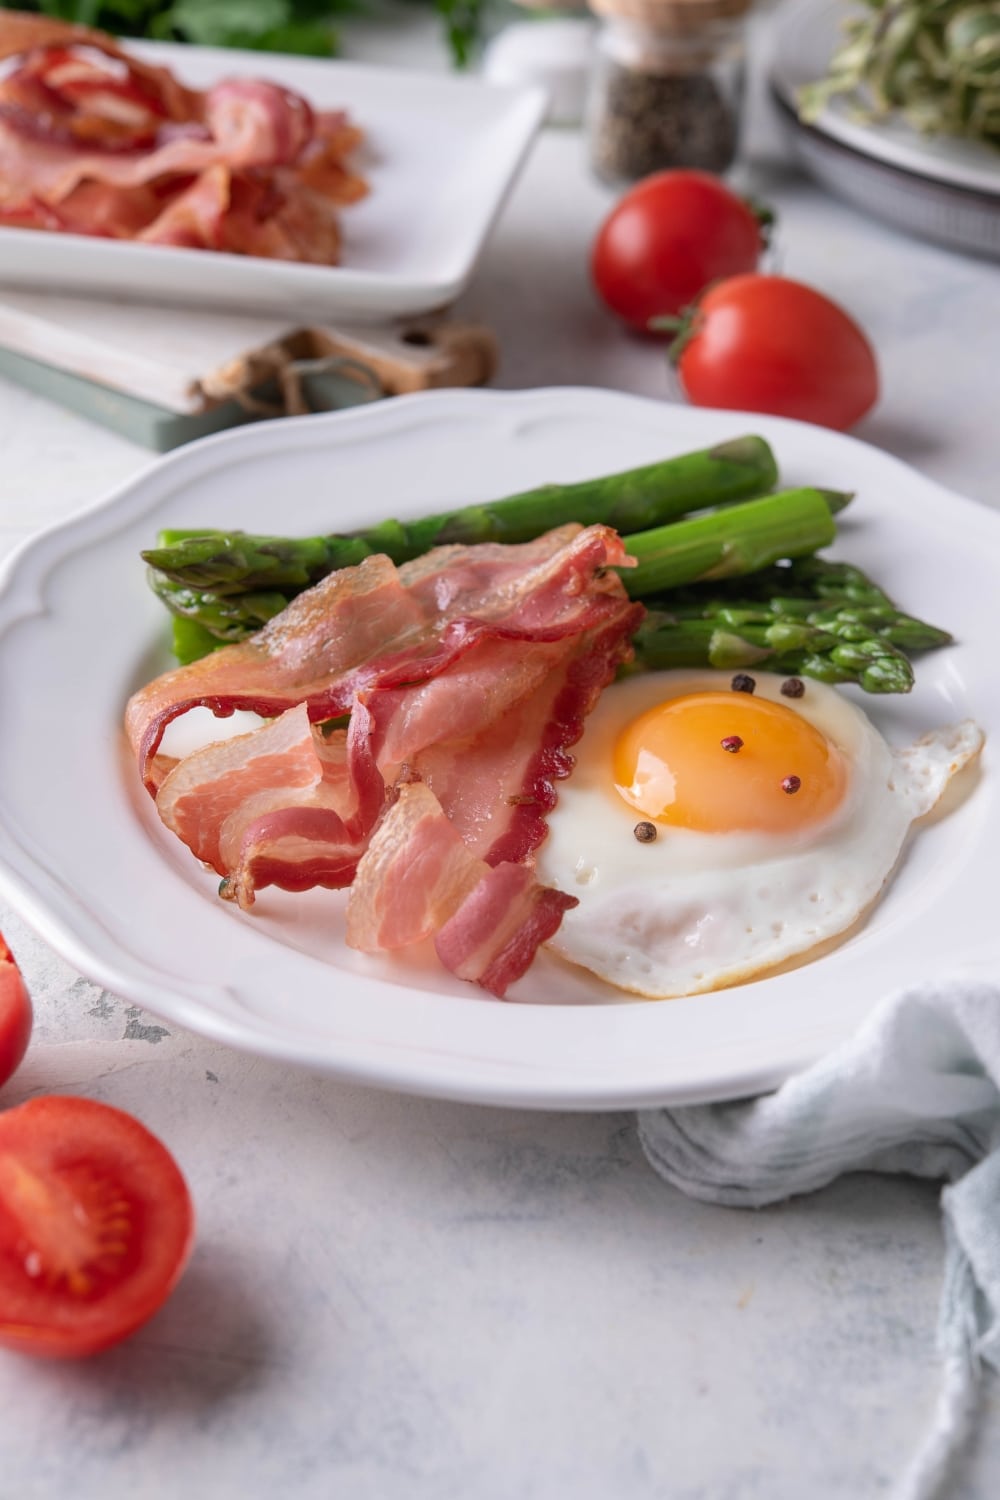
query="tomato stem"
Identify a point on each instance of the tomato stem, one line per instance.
(766, 218)
(684, 326)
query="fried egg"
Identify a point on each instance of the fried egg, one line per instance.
(711, 834)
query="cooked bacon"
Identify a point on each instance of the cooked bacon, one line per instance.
(246, 167)
(22, 35)
(258, 124)
(375, 625)
(414, 875)
(195, 217)
(467, 676)
(97, 208)
(302, 655)
(498, 929)
(248, 123)
(500, 809)
(419, 879)
(30, 212)
(321, 164)
(266, 219)
(283, 805)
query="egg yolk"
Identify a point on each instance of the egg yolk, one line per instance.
(721, 762)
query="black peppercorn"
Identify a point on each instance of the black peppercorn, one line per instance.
(793, 687)
(743, 683)
(645, 832)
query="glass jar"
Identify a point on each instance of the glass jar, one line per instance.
(667, 86)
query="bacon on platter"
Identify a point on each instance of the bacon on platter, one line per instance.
(95, 141)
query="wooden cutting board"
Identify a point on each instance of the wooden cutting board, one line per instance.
(161, 378)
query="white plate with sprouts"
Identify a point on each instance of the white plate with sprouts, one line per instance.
(945, 188)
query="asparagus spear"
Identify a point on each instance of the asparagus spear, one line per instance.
(233, 561)
(811, 618)
(730, 542)
(796, 650)
(807, 618)
(227, 617)
(836, 596)
(719, 544)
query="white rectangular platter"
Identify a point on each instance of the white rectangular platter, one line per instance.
(440, 155)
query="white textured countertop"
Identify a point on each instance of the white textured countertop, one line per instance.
(401, 1299)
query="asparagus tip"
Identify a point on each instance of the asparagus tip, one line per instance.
(837, 500)
(752, 450)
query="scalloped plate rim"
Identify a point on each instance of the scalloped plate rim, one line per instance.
(604, 1057)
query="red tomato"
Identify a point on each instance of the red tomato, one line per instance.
(95, 1226)
(764, 343)
(15, 1014)
(667, 239)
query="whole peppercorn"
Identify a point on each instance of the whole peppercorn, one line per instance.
(793, 687)
(743, 683)
(791, 784)
(732, 743)
(645, 832)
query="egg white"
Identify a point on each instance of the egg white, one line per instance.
(696, 911)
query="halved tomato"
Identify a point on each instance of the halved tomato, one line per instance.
(15, 1014)
(96, 1225)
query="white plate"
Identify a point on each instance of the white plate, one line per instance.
(84, 858)
(943, 186)
(440, 154)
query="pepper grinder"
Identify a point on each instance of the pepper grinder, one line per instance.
(666, 87)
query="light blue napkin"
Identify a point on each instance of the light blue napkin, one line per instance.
(915, 1090)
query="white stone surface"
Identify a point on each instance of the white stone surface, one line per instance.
(410, 1300)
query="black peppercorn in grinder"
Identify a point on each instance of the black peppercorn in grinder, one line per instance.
(667, 86)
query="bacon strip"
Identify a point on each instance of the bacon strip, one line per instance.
(415, 874)
(283, 805)
(418, 878)
(460, 727)
(246, 167)
(375, 625)
(498, 929)
(500, 810)
(303, 655)
(22, 34)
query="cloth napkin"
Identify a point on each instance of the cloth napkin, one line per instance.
(915, 1090)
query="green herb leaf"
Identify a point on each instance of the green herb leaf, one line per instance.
(227, 23)
(463, 23)
(305, 38)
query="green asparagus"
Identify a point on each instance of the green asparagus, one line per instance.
(808, 618)
(736, 539)
(813, 589)
(236, 562)
(730, 542)
(811, 617)
(226, 617)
